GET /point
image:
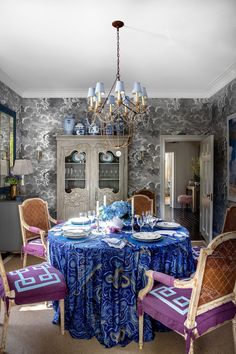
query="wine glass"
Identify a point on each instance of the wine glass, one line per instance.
(91, 216)
(140, 221)
(152, 222)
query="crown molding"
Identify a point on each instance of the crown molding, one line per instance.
(214, 86)
(222, 80)
(7, 80)
(83, 94)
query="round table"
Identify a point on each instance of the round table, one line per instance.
(103, 282)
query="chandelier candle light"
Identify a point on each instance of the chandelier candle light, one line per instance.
(117, 113)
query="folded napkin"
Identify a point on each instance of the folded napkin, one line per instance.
(167, 232)
(114, 242)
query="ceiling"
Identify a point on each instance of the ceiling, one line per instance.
(58, 48)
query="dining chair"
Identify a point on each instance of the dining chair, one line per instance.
(230, 219)
(199, 305)
(150, 194)
(30, 285)
(142, 203)
(35, 222)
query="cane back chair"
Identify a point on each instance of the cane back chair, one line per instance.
(150, 194)
(33, 284)
(199, 305)
(142, 203)
(35, 222)
(230, 219)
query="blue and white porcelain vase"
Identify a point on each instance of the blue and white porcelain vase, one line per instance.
(69, 122)
(119, 126)
(109, 129)
(93, 129)
(79, 129)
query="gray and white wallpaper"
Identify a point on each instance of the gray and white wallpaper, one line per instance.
(40, 120)
(222, 104)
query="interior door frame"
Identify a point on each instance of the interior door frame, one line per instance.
(170, 139)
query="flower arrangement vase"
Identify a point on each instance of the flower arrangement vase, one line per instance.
(13, 191)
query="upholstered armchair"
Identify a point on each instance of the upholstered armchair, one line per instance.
(33, 284)
(199, 305)
(35, 222)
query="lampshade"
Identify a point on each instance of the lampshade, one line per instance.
(22, 167)
(4, 167)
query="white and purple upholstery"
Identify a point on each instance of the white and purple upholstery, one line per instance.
(34, 247)
(185, 199)
(40, 282)
(169, 305)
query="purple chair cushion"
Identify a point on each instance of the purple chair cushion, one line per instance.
(37, 283)
(35, 248)
(196, 253)
(170, 305)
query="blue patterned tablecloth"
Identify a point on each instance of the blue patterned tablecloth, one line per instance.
(103, 282)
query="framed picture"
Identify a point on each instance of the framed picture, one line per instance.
(231, 152)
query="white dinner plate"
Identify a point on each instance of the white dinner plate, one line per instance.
(83, 220)
(168, 225)
(147, 236)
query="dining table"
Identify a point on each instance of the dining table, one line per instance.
(104, 274)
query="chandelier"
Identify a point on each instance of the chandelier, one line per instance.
(117, 113)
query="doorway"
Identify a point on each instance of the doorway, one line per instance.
(187, 152)
(169, 178)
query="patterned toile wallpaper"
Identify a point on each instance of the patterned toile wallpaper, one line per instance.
(40, 120)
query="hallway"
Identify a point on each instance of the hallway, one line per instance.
(186, 218)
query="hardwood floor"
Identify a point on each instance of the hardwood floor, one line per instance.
(186, 218)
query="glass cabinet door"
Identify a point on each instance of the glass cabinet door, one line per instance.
(75, 171)
(109, 171)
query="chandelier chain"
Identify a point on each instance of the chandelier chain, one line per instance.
(118, 55)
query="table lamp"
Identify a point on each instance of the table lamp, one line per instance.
(22, 168)
(4, 170)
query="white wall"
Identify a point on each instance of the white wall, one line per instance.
(184, 152)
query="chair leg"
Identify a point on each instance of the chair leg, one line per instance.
(191, 349)
(5, 326)
(234, 332)
(140, 342)
(62, 315)
(24, 260)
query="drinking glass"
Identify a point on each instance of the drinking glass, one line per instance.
(140, 222)
(91, 215)
(152, 222)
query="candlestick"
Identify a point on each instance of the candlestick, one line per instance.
(97, 208)
(104, 200)
(132, 207)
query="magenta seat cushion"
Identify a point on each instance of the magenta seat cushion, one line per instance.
(169, 305)
(40, 282)
(34, 247)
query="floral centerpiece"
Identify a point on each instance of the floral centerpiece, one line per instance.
(119, 209)
(115, 214)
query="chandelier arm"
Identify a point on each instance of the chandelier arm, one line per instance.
(106, 99)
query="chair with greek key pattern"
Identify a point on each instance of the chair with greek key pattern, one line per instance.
(35, 222)
(199, 305)
(29, 285)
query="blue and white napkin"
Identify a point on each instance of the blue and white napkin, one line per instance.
(114, 242)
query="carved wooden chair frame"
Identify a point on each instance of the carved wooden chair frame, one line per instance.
(30, 232)
(196, 284)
